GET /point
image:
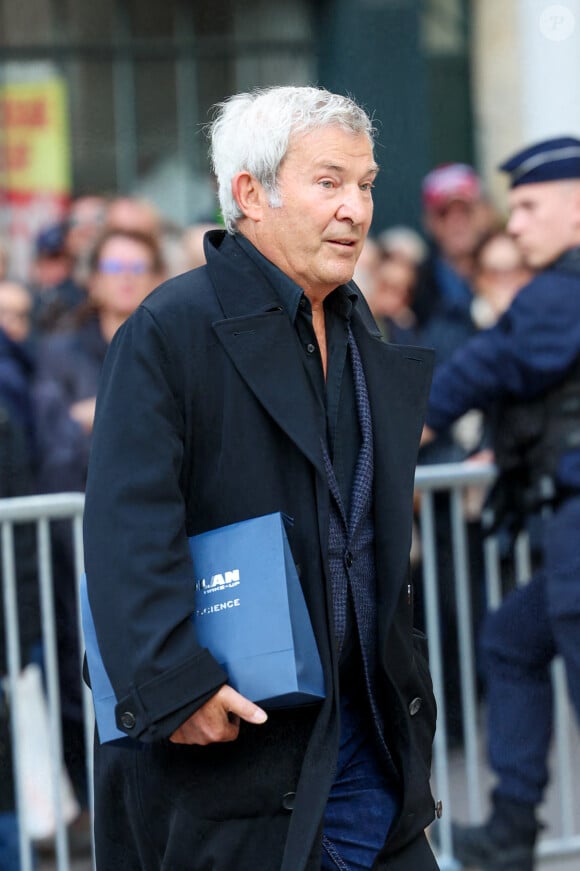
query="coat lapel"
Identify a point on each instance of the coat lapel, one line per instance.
(260, 340)
(398, 380)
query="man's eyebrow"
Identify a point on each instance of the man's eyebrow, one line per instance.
(335, 167)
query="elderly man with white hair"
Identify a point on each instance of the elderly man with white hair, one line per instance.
(258, 384)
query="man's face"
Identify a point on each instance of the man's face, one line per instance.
(545, 220)
(124, 276)
(456, 226)
(317, 233)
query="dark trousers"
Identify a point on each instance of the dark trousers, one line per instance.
(519, 642)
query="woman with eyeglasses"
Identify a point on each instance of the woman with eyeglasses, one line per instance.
(125, 266)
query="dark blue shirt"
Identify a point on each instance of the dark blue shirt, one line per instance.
(336, 393)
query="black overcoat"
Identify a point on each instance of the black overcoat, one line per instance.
(205, 417)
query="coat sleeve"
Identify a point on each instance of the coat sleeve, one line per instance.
(138, 566)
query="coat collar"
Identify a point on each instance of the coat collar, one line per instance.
(258, 336)
(261, 341)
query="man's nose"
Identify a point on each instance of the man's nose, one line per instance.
(356, 205)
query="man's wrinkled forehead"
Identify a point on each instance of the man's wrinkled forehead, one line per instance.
(340, 156)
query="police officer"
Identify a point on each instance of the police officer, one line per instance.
(528, 367)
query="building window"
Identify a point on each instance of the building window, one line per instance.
(141, 76)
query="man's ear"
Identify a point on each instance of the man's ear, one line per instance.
(249, 195)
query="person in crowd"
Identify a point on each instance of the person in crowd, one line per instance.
(56, 293)
(134, 214)
(139, 214)
(403, 244)
(366, 269)
(392, 298)
(15, 310)
(124, 268)
(192, 242)
(255, 384)
(17, 478)
(17, 359)
(528, 364)
(456, 215)
(499, 272)
(83, 226)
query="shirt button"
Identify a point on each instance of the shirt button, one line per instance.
(128, 720)
(415, 706)
(348, 559)
(439, 809)
(288, 801)
(310, 348)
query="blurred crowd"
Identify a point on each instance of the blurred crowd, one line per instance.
(90, 271)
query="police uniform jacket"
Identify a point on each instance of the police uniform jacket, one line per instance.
(206, 417)
(530, 350)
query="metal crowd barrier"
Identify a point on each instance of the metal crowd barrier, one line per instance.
(466, 769)
(452, 479)
(40, 510)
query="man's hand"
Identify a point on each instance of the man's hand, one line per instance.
(219, 719)
(427, 435)
(83, 412)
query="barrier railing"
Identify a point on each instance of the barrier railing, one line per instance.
(40, 510)
(465, 766)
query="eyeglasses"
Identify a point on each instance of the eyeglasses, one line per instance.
(116, 267)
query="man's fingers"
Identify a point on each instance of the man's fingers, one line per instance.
(219, 719)
(242, 707)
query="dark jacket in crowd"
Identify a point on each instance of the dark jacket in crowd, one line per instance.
(442, 304)
(530, 349)
(225, 426)
(69, 367)
(16, 479)
(54, 308)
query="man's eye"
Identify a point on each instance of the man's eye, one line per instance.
(367, 186)
(326, 183)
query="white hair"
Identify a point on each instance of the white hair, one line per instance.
(251, 132)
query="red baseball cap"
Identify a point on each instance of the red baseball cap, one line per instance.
(451, 181)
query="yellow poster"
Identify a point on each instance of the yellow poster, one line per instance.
(34, 138)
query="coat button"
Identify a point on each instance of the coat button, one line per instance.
(415, 706)
(128, 720)
(348, 559)
(439, 809)
(288, 801)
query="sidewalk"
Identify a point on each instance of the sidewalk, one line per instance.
(549, 812)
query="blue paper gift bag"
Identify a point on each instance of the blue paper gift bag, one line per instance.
(249, 612)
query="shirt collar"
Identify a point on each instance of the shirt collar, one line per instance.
(342, 299)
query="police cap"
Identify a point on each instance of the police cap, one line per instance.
(550, 160)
